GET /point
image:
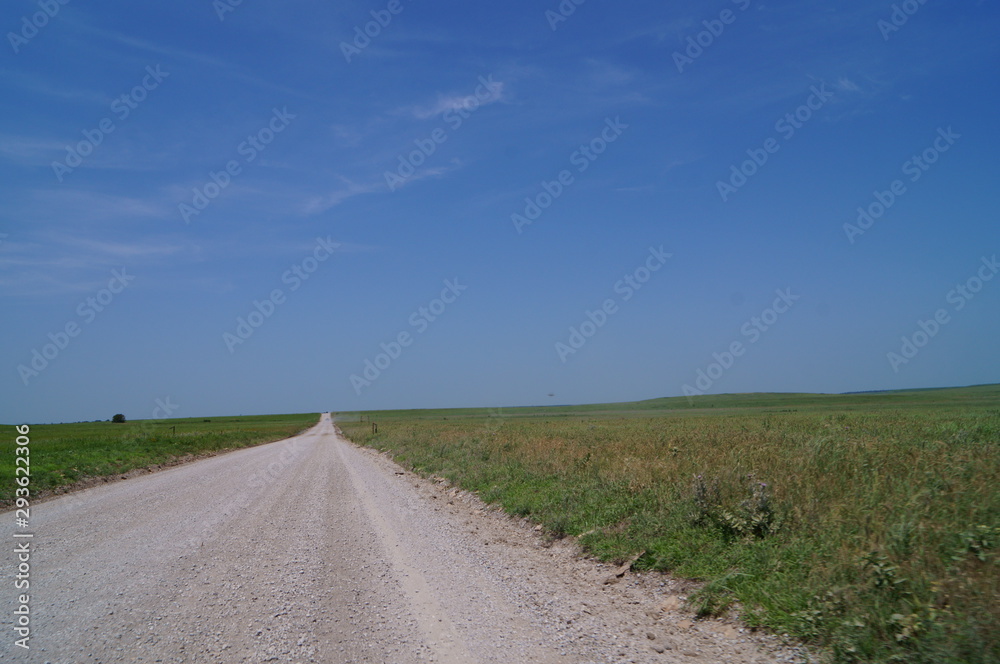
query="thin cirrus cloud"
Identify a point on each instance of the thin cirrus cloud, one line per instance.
(349, 189)
(457, 102)
(105, 39)
(123, 250)
(56, 264)
(606, 74)
(846, 85)
(36, 86)
(77, 252)
(83, 205)
(116, 43)
(29, 150)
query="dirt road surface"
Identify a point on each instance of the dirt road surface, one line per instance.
(314, 550)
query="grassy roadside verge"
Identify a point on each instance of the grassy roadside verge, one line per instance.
(869, 524)
(64, 454)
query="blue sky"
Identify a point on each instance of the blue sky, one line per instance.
(210, 155)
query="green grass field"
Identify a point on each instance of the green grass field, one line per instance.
(63, 454)
(867, 524)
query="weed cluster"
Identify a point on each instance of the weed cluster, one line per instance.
(753, 517)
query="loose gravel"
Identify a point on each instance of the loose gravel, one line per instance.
(314, 550)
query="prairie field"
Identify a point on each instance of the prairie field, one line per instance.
(867, 524)
(65, 454)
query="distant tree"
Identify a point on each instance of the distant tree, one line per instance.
(118, 419)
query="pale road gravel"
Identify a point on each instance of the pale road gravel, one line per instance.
(314, 550)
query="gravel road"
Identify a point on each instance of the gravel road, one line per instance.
(314, 550)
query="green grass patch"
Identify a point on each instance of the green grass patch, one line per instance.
(867, 524)
(63, 454)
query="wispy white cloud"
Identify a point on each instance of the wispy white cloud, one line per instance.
(634, 190)
(431, 173)
(83, 205)
(844, 84)
(57, 264)
(124, 250)
(149, 47)
(347, 136)
(485, 94)
(39, 283)
(605, 74)
(347, 190)
(113, 155)
(36, 85)
(29, 150)
(64, 251)
(178, 54)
